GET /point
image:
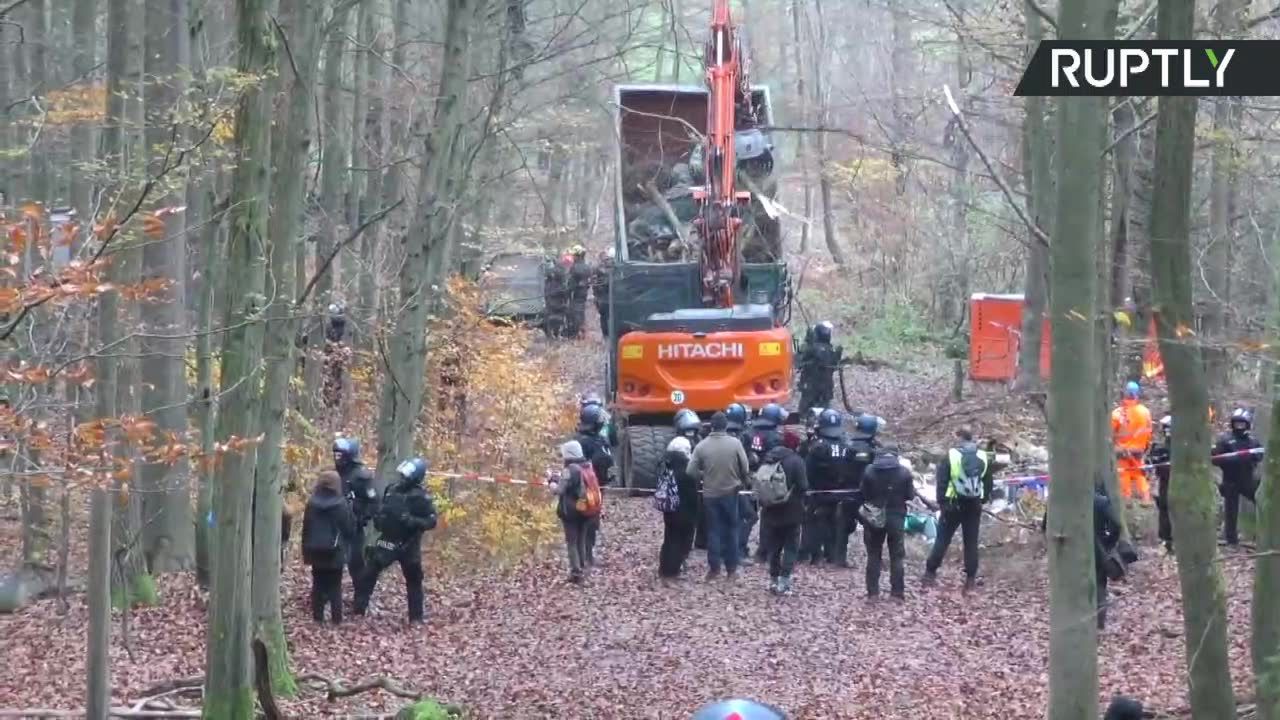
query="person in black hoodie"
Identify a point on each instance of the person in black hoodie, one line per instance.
(780, 523)
(1160, 455)
(1107, 564)
(886, 486)
(678, 525)
(1237, 470)
(327, 529)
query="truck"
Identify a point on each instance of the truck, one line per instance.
(698, 334)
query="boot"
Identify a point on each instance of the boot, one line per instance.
(970, 583)
(786, 588)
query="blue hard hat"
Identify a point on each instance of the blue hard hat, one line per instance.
(867, 424)
(738, 709)
(347, 448)
(414, 470)
(1132, 389)
(772, 415)
(829, 423)
(736, 414)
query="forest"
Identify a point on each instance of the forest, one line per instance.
(194, 195)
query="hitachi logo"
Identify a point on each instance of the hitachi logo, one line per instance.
(696, 351)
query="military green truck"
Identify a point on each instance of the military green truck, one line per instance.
(658, 129)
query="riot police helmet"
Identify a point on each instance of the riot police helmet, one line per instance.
(771, 416)
(737, 415)
(822, 331)
(830, 424)
(687, 421)
(738, 709)
(413, 471)
(346, 451)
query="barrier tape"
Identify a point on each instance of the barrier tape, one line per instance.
(1017, 481)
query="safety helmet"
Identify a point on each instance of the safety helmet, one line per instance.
(591, 399)
(1166, 424)
(577, 250)
(335, 308)
(591, 418)
(412, 471)
(868, 424)
(687, 421)
(772, 415)
(829, 423)
(737, 415)
(822, 331)
(1132, 390)
(1241, 417)
(738, 709)
(345, 451)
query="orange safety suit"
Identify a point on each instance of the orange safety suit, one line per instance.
(1131, 432)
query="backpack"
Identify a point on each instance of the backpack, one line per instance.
(769, 483)
(592, 500)
(323, 536)
(967, 469)
(667, 497)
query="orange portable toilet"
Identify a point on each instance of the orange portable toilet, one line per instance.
(995, 332)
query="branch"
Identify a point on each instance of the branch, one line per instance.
(1121, 137)
(995, 174)
(1044, 14)
(324, 266)
(1249, 24)
(1142, 21)
(11, 7)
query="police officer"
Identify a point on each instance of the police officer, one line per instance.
(600, 282)
(579, 285)
(825, 469)
(362, 497)
(810, 432)
(555, 296)
(609, 432)
(689, 426)
(407, 511)
(763, 436)
(592, 435)
(1160, 455)
(1237, 469)
(818, 360)
(862, 445)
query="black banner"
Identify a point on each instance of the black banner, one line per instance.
(1116, 68)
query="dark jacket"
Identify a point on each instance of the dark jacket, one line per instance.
(686, 485)
(942, 478)
(1237, 470)
(817, 361)
(406, 512)
(597, 451)
(758, 442)
(1106, 534)
(825, 466)
(888, 485)
(568, 490)
(862, 452)
(1161, 455)
(791, 511)
(360, 493)
(326, 523)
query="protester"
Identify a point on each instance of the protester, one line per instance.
(964, 483)
(1108, 565)
(781, 510)
(677, 498)
(720, 464)
(1131, 432)
(327, 528)
(1238, 470)
(578, 506)
(406, 512)
(886, 488)
(1161, 455)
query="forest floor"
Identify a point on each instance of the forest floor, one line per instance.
(526, 644)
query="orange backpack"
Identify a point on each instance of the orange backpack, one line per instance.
(592, 500)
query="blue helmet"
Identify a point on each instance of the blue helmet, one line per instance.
(867, 424)
(771, 416)
(591, 399)
(830, 424)
(738, 709)
(822, 331)
(346, 451)
(687, 421)
(591, 418)
(1132, 390)
(412, 471)
(737, 415)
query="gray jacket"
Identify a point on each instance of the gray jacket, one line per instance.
(720, 463)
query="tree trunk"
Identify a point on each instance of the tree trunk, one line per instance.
(1192, 505)
(99, 597)
(822, 93)
(1081, 128)
(378, 34)
(1038, 161)
(168, 535)
(85, 40)
(37, 40)
(228, 683)
(291, 146)
(360, 57)
(901, 71)
(953, 283)
(1266, 584)
(802, 142)
(437, 186)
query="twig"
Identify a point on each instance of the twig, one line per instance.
(1130, 131)
(1151, 10)
(262, 681)
(995, 174)
(324, 266)
(337, 690)
(11, 7)
(1044, 14)
(652, 191)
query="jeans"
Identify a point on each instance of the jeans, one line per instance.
(677, 542)
(748, 512)
(723, 526)
(964, 515)
(576, 535)
(781, 544)
(326, 589)
(875, 542)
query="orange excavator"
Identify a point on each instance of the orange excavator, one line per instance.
(730, 343)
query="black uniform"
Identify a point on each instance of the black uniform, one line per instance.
(1237, 477)
(362, 498)
(555, 297)
(579, 286)
(825, 467)
(818, 360)
(600, 290)
(862, 452)
(1106, 535)
(757, 443)
(407, 511)
(1161, 455)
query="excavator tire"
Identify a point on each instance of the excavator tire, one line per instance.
(643, 448)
